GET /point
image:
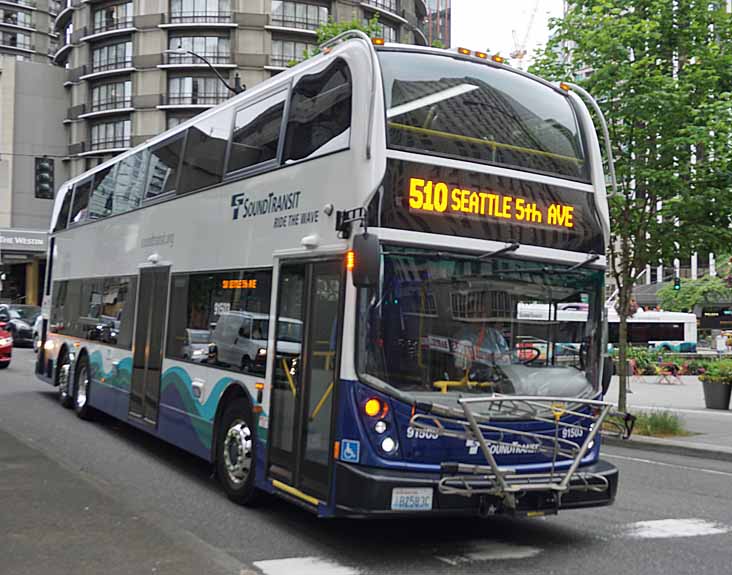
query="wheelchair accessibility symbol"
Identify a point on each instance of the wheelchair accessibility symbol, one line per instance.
(350, 450)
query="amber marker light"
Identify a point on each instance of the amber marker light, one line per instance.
(482, 55)
(498, 59)
(464, 51)
(350, 260)
(259, 386)
(372, 407)
(564, 86)
(377, 41)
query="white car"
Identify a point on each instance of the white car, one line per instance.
(196, 345)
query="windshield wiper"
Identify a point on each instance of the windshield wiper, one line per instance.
(511, 247)
(593, 258)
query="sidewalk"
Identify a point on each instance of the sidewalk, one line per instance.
(711, 429)
(55, 520)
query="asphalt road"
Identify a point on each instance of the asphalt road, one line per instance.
(673, 514)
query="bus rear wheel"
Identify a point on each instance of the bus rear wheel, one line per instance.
(236, 453)
(81, 389)
(64, 375)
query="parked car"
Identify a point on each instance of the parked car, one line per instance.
(6, 346)
(196, 345)
(19, 320)
(240, 339)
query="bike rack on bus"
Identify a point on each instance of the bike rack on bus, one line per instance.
(507, 483)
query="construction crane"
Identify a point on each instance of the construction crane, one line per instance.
(519, 47)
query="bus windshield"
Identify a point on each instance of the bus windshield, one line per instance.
(446, 106)
(455, 325)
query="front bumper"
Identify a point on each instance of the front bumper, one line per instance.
(6, 354)
(367, 491)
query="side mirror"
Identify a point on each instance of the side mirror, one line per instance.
(607, 373)
(367, 260)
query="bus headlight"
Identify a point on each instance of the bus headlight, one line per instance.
(261, 352)
(48, 346)
(388, 445)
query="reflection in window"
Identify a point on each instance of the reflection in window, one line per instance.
(227, 309)
(102, 197)
(203, 162)
(320, 113)
(256, 133)
(81, 202)
(99, 309)
(130, 183)
(164, 161)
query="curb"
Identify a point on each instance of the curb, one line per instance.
(705, 450)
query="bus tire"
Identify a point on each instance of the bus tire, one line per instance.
(81, 389)
(236, 452)
(63, 376)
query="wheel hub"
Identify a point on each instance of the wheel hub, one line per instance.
(238, 452)
(63, 379)
(82, 388)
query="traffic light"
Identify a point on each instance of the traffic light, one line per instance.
(44, 178)
(677, 283)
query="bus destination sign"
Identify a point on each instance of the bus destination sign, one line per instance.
(453, 201)
(436, 196)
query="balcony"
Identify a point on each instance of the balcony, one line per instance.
(11, 44)
(106, 108)
(221, 59)
(62, 54)
(193, 100)
(109, 69)
(11, 20)
(109, 145)
(388, 8)
(299, 24)
(64, 17)
(107, 29)
(199, 20)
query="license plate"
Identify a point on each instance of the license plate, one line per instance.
(411, 499)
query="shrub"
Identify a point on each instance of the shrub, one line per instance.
(659, 424)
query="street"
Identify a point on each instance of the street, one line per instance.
(159, 511)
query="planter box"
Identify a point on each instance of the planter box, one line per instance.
(716, 395)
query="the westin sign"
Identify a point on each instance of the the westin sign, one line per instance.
(23, 241)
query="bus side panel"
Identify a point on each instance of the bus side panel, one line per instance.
(186, 420)
(111, 374)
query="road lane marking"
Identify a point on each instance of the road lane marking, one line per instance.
(490, 551)
(668, 528)
(663, 464)
(303, 566)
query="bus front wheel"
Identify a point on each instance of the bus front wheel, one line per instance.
(235, 452)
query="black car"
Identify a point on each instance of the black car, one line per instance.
(19, 320)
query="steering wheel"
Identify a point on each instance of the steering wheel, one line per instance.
(523, 350)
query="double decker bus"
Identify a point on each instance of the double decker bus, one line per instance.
(315, 287)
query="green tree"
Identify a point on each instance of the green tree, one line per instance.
(708, 290)
(662, 73)
(331, 29)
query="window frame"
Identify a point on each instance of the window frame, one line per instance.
(182, 135)
(268, 164)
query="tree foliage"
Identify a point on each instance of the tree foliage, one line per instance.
(662, 74)
(693, 293)
(331, 29)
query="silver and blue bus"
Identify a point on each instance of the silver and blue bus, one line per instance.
(315, 287)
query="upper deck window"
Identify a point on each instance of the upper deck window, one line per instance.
(445, 106)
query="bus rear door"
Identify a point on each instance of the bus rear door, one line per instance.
(309, 314)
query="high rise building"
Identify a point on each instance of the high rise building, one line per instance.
(125, 85)
(438, 22)
(26, 29)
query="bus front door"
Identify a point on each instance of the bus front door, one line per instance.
(147, 354)
(305, 375)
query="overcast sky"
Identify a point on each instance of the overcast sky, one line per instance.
(488, 24)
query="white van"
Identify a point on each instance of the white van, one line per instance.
(240, 339)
